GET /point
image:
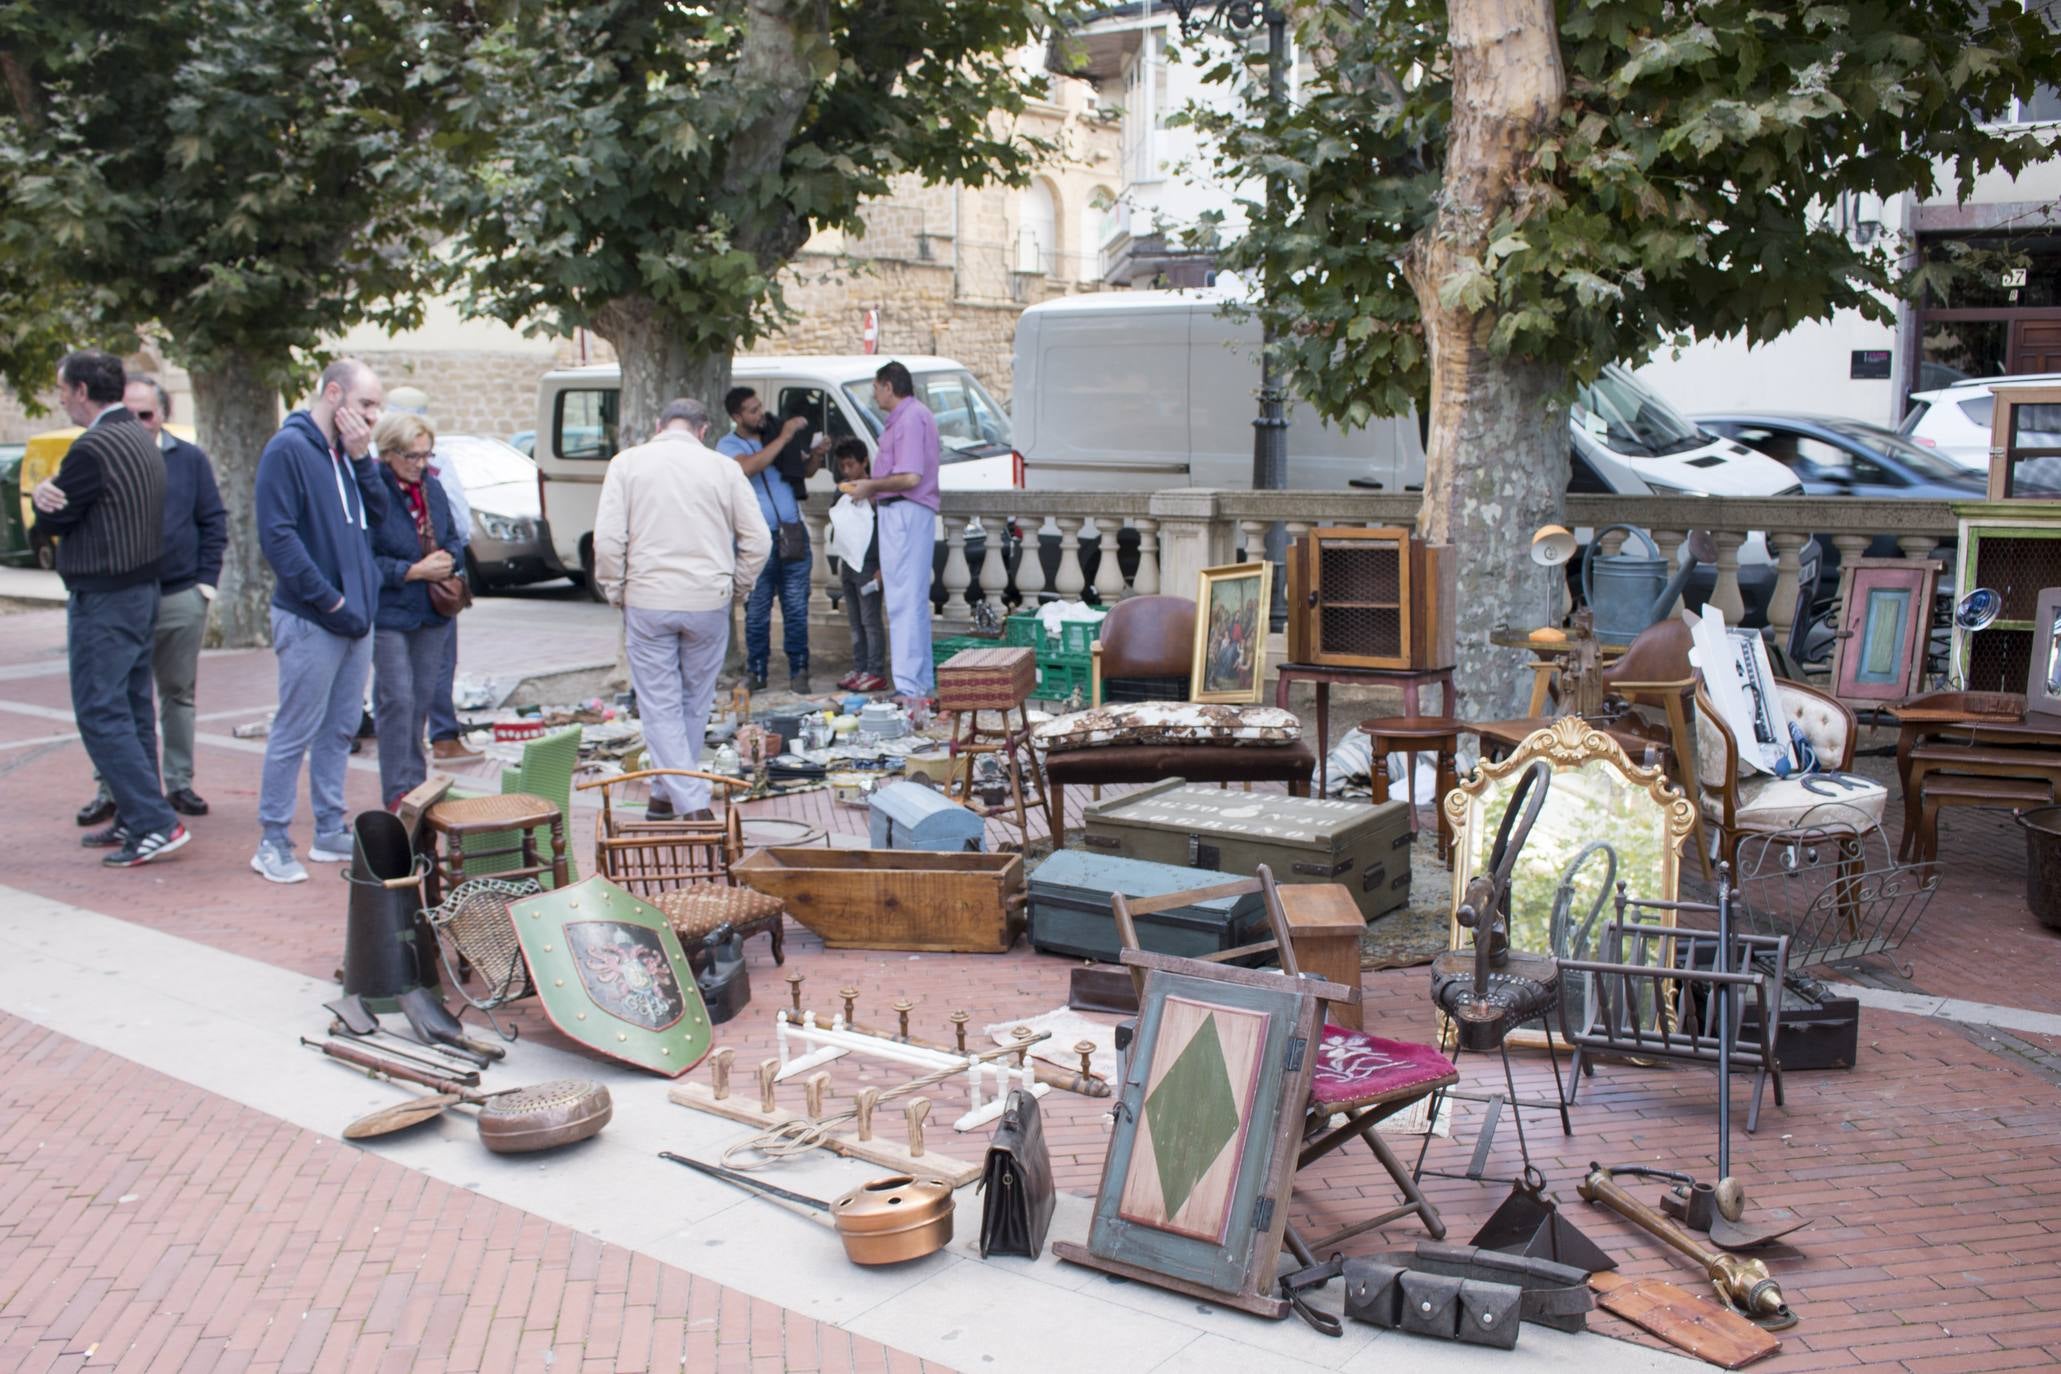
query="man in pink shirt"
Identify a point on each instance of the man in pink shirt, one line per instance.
(903, 490)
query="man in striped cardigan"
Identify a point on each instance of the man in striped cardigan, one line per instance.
(107, 504)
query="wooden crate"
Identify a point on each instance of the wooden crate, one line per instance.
(896, 898)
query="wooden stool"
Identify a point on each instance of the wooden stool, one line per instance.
(997, 681)
(1996, 794)
(696, 910)
(1325, 926)
(479, 819)
(1411, 736)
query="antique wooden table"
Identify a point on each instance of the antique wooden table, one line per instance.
(1322, 676)
(1957, 735)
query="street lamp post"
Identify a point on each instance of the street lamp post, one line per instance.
(1270, 427)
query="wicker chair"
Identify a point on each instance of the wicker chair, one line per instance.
(683, 866)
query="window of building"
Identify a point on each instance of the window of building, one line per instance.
(1037, 229)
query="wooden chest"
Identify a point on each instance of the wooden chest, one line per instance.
(987, 679)
(908, 815)
(895, 899)
(1070, 908)
(1362, 846)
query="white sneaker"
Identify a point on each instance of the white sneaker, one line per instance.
(275, 862)
(331, 849)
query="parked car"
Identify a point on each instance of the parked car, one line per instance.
(14, 524)
(511, 542)
(524, 441)
(1839, 457)
(1954, 422)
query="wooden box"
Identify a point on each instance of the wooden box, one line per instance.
(1303, 839)
(895, 898)
(908, 815)
(987, 679)
(1325, 926)
(1070, 910)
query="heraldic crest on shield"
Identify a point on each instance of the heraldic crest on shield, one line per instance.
(612, 975)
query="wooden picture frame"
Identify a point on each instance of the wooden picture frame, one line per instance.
(2043, 674)
(1597, 793)
(1232, 613)
(1222, 1056)
(1885, 628)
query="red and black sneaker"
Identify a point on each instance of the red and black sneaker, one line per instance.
(141, 849)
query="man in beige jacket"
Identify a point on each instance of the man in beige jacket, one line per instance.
(677, 537)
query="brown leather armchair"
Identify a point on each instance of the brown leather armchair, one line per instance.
(1148, 645)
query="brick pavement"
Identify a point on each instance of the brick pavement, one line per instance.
(1937, 1236)
(149, 1226)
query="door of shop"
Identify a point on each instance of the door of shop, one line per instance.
(2038, 347)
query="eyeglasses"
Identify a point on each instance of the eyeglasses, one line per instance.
(428, 457)
(144, 414)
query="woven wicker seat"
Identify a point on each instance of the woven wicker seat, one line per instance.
(474, 922)
(503, 829)
(695, 911)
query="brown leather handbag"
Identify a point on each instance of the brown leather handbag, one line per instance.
(1017, 1182)
(449, 595)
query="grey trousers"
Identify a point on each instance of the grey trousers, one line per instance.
(869, 629)
(675, 657)
(407, 665)
(182, 620)
(321, 699)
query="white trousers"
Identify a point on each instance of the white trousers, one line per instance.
(908, 544)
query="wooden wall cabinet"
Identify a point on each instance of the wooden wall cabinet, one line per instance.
(1378, 598)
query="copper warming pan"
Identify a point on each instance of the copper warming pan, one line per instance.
(886, 1221)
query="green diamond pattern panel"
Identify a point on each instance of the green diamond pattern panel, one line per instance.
(1193, 1113)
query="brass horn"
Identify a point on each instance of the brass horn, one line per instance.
(1744, 1285)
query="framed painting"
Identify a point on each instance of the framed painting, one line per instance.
(1885, 626)
(1231, 622)
(2043, 675)
(1195, 1186)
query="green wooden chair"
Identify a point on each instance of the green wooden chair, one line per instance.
(546, 771)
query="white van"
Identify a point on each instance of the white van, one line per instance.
(578, 411)
(1139, 390)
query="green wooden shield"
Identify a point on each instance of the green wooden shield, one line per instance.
(612, 975)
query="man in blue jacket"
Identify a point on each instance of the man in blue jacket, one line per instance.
(318, 494)
(196, 534)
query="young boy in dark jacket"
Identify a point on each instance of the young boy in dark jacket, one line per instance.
(861, 579)
(318, 496)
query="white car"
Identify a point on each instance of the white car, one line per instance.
(1954, 421)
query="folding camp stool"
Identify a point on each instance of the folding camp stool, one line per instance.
(1365, 1078)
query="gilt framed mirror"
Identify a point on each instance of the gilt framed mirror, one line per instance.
(1597, 794)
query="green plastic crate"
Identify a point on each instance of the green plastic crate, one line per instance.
(1023, 632)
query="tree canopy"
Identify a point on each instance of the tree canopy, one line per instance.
(656, 165)
(1682, 185)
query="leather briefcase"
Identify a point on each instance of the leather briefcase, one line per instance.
(1016, 1180)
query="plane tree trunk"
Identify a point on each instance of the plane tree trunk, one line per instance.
(236, 411)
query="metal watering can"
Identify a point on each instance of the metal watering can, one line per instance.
(1626, 592)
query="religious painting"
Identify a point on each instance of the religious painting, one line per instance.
(1231, 623)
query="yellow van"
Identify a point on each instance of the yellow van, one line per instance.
(45, 452)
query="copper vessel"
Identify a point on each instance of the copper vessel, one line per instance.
(543, 1116)
(894, 1219)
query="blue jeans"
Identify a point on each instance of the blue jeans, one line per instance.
(407, 666)
(790, 579)
(443, 716)
(321, 699)
(110, 637)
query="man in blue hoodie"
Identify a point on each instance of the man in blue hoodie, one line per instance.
(318, 493)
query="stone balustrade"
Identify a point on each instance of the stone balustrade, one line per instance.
(1116, 544)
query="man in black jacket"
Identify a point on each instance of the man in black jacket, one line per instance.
(107, 504)
(196, 534)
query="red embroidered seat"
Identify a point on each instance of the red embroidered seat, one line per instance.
(1355, 1069)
